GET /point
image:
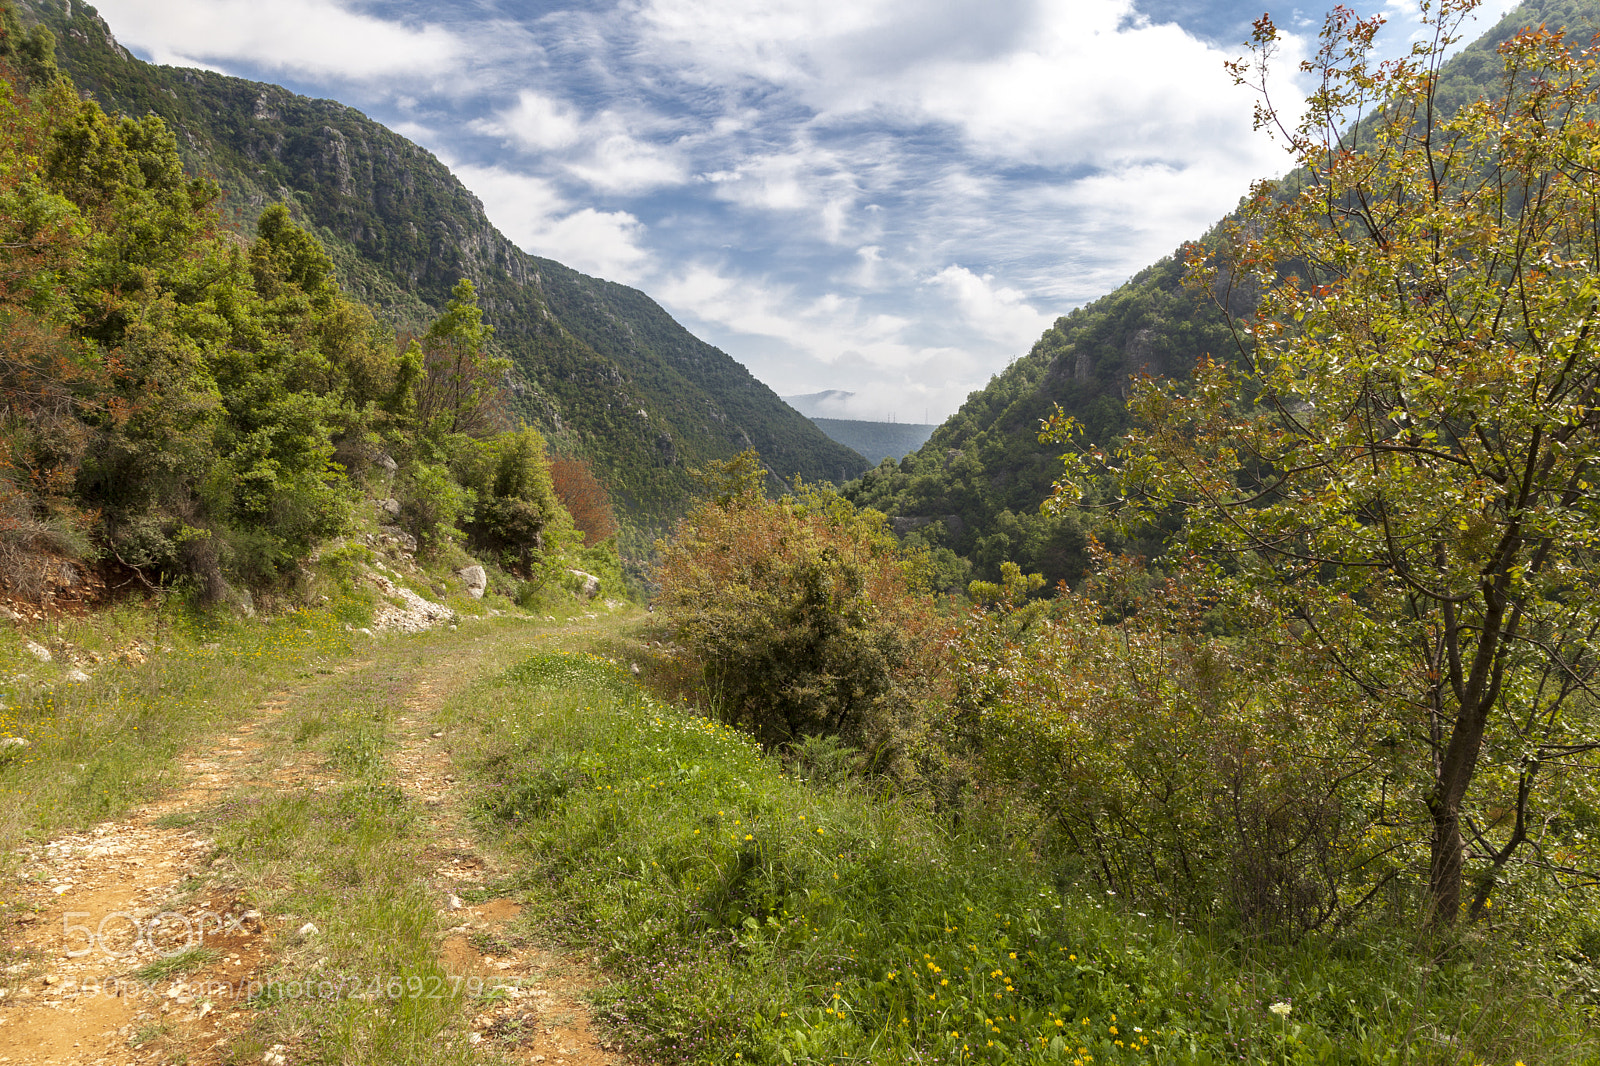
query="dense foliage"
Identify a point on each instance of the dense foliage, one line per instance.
(600, 369)
(1404, 463)
(585, 499)
(203, 409)
(1187, 773)
(800, 615)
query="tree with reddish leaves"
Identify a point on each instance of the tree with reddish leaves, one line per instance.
(585, 499)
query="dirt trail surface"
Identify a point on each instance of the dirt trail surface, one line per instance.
(103, 919)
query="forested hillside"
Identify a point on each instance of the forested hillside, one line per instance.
(188, 408)
(977, 485)
(877, 440)
(599, 368)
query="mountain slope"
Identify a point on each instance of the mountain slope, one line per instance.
(600, 368)
(977, 484)
(877, 440)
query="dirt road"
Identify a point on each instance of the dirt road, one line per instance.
(137, 941)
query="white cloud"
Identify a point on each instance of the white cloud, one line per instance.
(867, 273)
(603, 243)
(993, 310)
(1036, 82)
(1092, 89)
(805, 179)
(534, 214)
(416, 132)
(305, 36)
(738, 304)
(766, 41)
(766, 183)
(834, 340)
(537, 122)
(603, 151)
(1138, 135)
(620, 163)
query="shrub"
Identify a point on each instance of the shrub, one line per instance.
(430, 504)
(517, 517)
(800, 617)
(1184, 771)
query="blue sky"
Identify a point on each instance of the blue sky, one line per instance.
(888, 197)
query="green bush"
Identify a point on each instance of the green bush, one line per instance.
(516, 518)
(431, 502)
(797, 617)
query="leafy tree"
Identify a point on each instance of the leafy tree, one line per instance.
(48, 382)
(741, 478)
(515, 508)
(31, 53)
(1404, 462)
(431, 503)
(462, 386)
(585, 499)
(196, 402)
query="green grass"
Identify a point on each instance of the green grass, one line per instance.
(740, 912)
(347, 859)
(750, 917)
(344, 862)
(96, 749)
(352, 859)
(186, 961)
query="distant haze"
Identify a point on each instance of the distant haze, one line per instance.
(837, 403)
(876, 441)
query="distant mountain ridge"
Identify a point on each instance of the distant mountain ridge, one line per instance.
(978, 481)
(601, 369)
(877, 441)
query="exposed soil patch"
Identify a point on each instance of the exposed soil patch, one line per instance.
(126, 946)
(119, 949)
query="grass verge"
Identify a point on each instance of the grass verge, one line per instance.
(356, 974)
(751, 917)
(91, 750)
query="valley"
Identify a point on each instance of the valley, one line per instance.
(415, 650)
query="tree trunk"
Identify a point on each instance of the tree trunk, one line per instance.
(1445, 864)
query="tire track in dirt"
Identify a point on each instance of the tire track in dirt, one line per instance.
(543, 1017)
(95, 914)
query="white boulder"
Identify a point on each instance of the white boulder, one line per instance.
(475, 579)
(589, 586)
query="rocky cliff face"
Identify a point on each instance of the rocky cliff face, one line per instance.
(601, 369)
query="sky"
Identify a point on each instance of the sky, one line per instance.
(890, 198)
